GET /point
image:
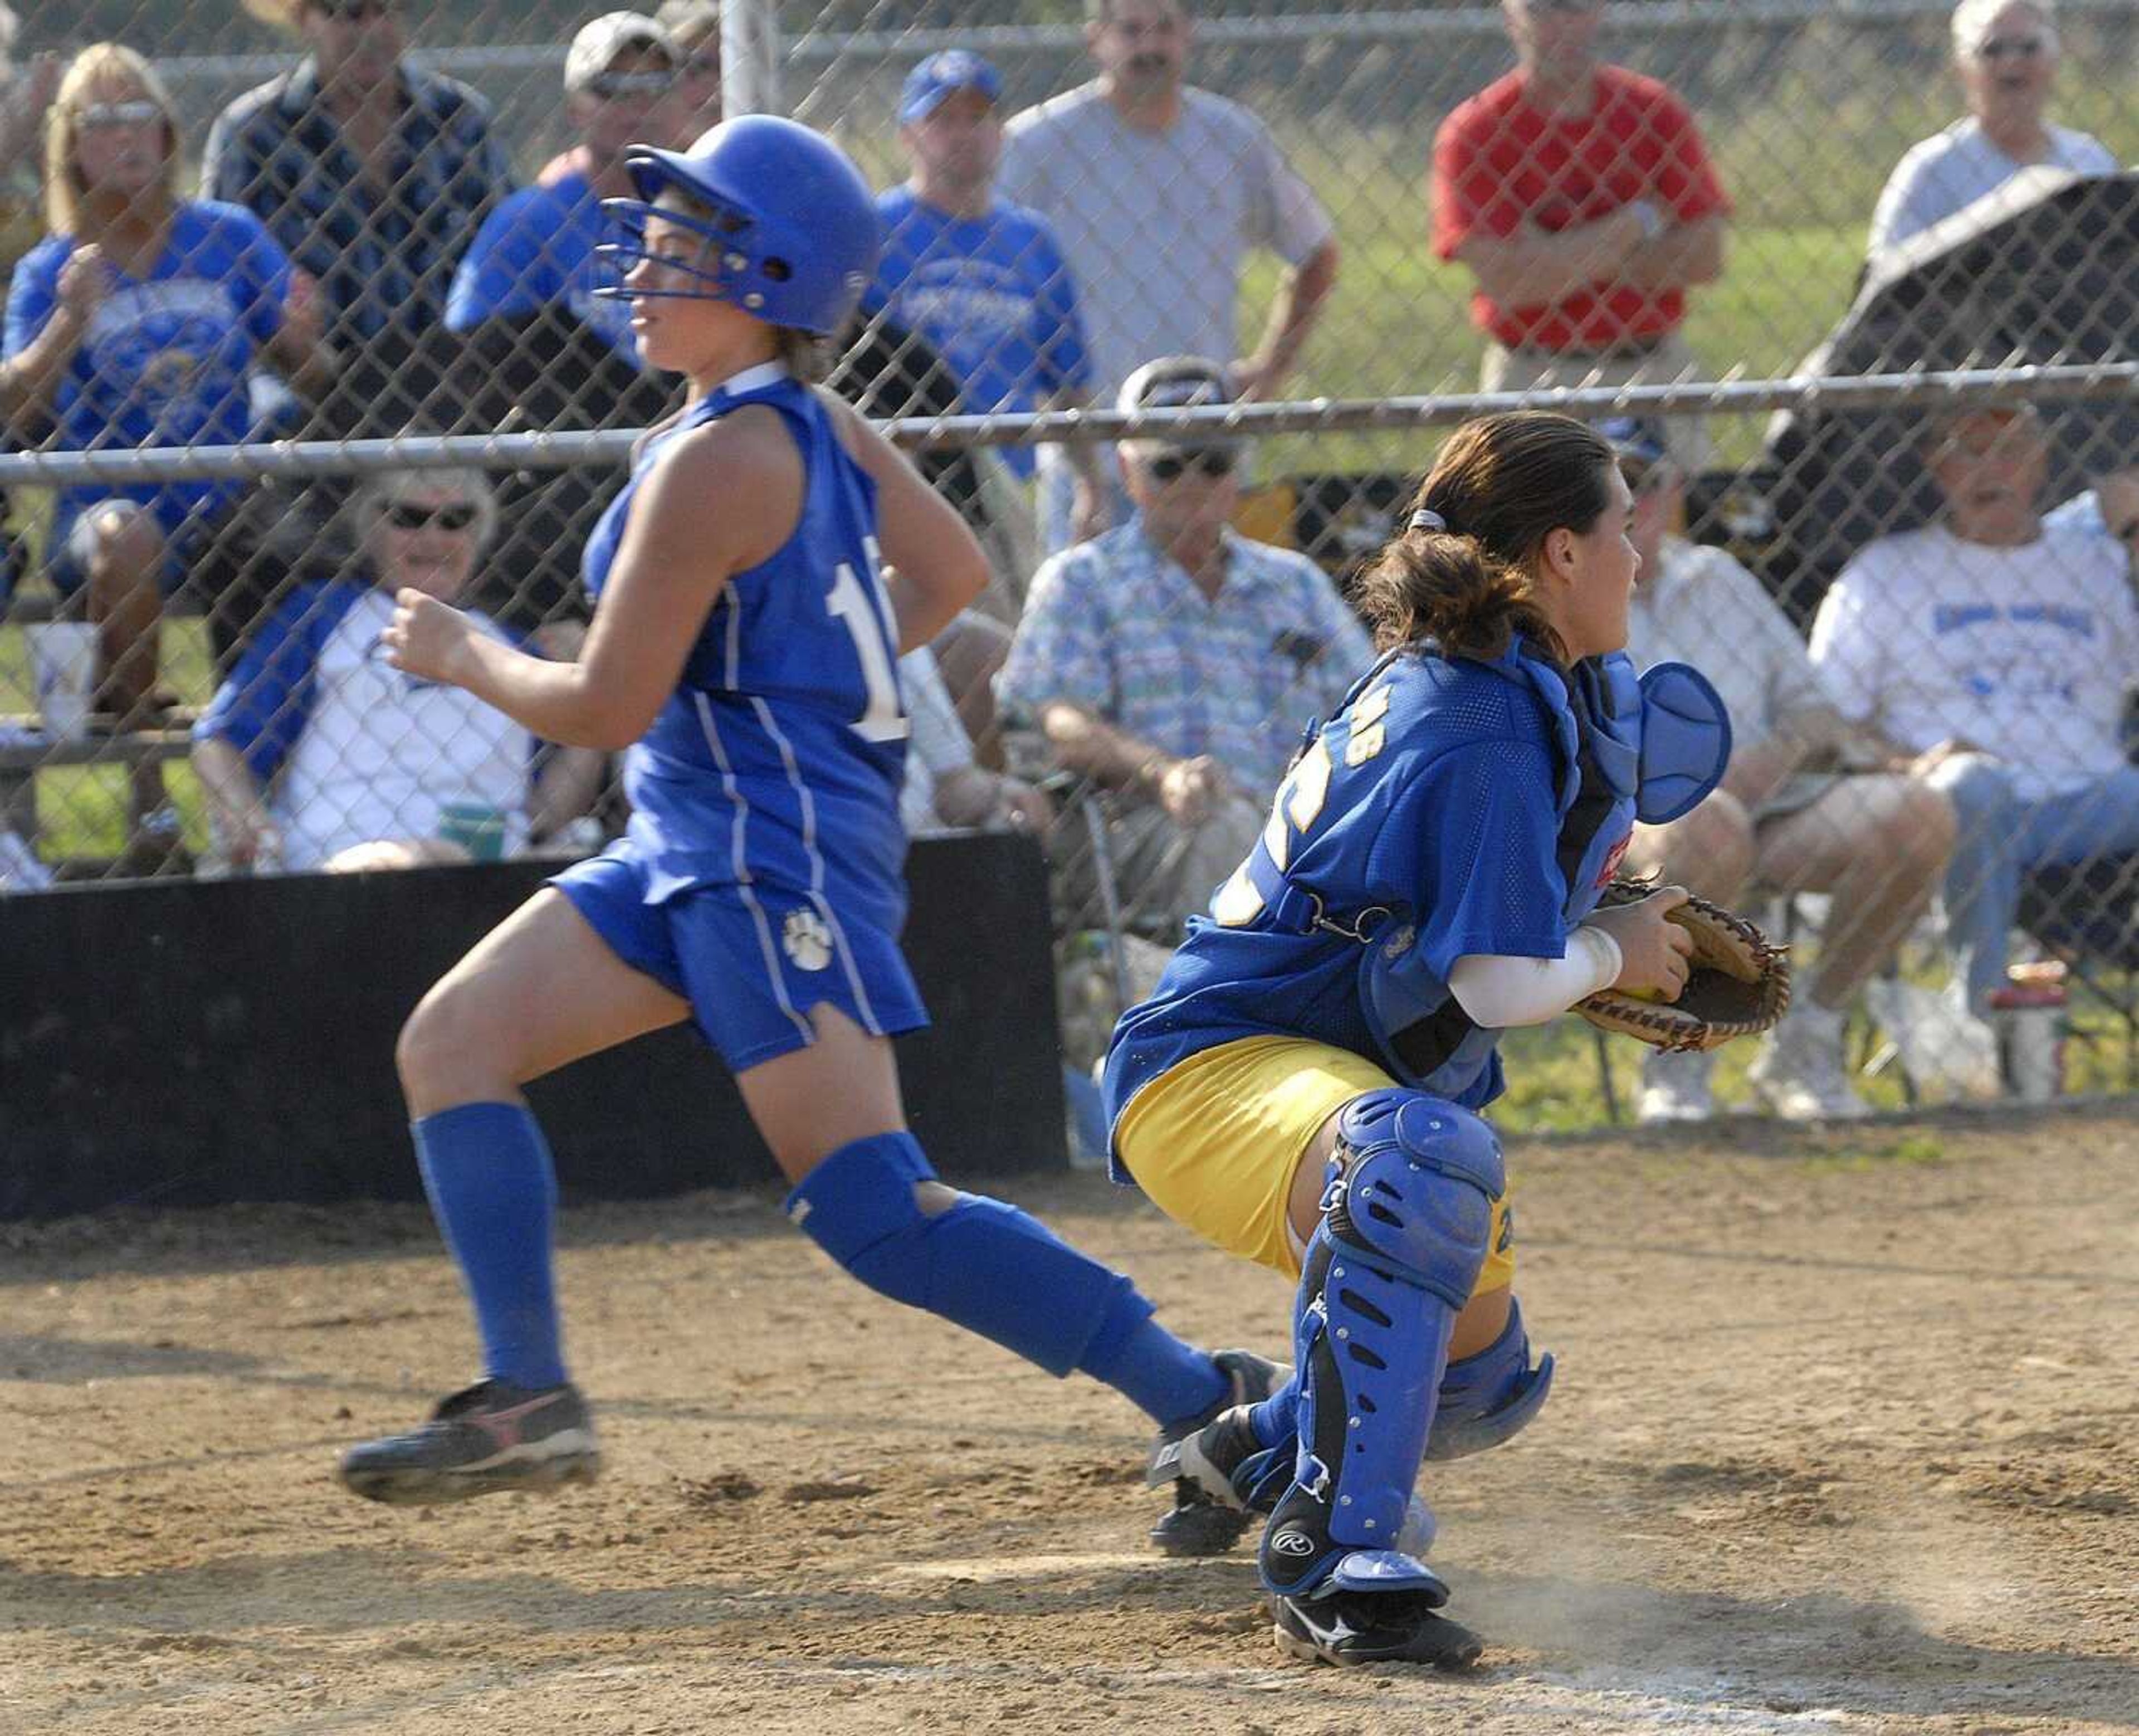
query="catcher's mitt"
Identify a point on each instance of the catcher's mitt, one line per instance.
(1737, 983)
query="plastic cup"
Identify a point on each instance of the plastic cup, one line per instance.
(63, 666)
(478, 830)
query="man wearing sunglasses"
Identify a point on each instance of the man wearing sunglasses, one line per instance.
(2005, 55)
(1580, 198)
(537, 250)
(1786, 816)
(372, 174)
(550, 351)
(695, 27)
(1170, 665)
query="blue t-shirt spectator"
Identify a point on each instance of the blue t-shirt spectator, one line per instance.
(164, 359)
(992, 295)
(384, 253)
(537, 250)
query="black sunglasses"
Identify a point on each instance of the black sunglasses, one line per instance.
(1210, 461)
(354, 12)
(405, 515)
(610, 86)
(2019, 48)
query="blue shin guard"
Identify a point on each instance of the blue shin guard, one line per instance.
(995, 1271)
(1490, 1394)
(1406, 1227)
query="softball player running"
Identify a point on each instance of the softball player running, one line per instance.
(755, 582)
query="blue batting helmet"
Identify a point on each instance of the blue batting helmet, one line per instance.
(791, 231)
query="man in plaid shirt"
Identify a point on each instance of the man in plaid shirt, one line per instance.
(372, 174)
(1173, 665)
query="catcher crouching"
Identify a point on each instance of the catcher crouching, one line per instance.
(1305, 1086)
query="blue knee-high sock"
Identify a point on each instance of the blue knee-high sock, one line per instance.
(997, 1271)
(494, 1191)
(1168, 1380)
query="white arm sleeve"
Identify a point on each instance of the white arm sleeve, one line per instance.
(1498, 991)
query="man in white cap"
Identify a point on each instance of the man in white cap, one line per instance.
(552, 353)
(1171, 664)
(537, 250)
(372, 174)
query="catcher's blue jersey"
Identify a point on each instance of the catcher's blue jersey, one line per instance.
(1450, 807)
(767, 788)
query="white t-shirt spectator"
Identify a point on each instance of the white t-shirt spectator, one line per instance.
(1704, 608)
(1950, 170)
(1156, 226)
(2025, 652)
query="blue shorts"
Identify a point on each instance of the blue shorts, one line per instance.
(752, 961)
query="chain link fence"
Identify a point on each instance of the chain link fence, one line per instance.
(1375, 248)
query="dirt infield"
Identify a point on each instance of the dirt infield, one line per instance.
(1847, 1438)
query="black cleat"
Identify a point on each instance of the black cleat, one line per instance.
(486, 1439)
(1349, 1628)
(1200, 1522)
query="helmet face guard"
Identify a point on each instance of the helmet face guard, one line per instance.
(716, 268)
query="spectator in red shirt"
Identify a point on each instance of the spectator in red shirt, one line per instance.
(1580, 197)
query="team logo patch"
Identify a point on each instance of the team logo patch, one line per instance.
(807, 941)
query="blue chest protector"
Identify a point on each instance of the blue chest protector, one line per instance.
(1626, 749)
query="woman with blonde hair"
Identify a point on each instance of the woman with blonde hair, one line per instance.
(134, 323)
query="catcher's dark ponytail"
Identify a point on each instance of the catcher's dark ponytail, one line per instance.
(1458, 570)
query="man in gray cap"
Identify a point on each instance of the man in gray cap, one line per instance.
(1171, 663)
(538, 249)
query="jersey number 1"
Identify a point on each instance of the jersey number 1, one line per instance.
(864, 617)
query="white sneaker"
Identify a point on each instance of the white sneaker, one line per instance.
(1798, 1072)
(1949, 1053)
(1675, 1085)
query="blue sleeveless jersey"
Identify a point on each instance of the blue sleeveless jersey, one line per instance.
(1453, 805)
(780, 756)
